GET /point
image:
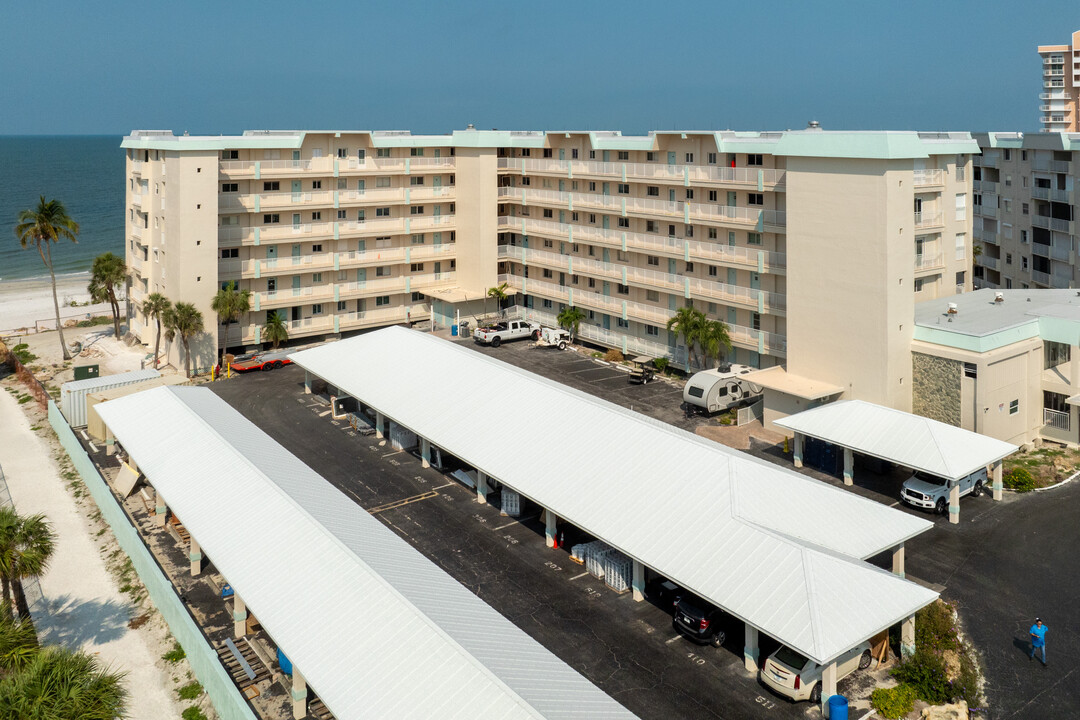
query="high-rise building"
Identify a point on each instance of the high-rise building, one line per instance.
(1059, 101)
(812, 246)
(1025, 210)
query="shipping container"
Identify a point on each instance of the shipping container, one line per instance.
(73, 394)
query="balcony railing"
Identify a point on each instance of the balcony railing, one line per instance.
(659, 172)
(986, 186)
(1060, 166)
(986, 210)
(136, 167)
(988, 262)
(1056, 224)
(1055, 96)
(1041, 278)
(987, 237)
(929, 176)
(649, 279)
(1056, 419)
(697, 250)
(136, 199)
(1054, 195)
(929, 261)
(326, 165)
(990, 161)
(137, 230)
(350, 229)
(927, 219)
(678, 211)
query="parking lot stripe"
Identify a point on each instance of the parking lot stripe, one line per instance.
(324, 413)
(401, 503)
(580, 576)
(677, 637)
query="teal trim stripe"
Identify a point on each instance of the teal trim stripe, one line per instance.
(258, 170)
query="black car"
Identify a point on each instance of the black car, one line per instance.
(700, 624)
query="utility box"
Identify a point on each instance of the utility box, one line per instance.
(85, 372)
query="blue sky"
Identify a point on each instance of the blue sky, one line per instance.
(220, 67)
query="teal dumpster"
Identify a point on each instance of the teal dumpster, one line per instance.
(453, 330)
(838, 708)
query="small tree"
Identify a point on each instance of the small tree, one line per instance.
(40, 227)
(155, 306)
(715, 341)
(688, 323)
(570, 318)
(230, 304)
(26, 546)
(275, 330)
(185, 321)
(107, 274)
(498, 293)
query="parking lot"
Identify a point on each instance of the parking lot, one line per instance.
(629, 649)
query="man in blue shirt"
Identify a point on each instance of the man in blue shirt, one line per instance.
(1038, 639)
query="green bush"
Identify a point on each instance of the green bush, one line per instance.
(1019, 479)
(935, 628)
(966, 685)
(22, 352)
(614, 356)
(661, 364)
(190, 691)
(893, 703)
(175, 655)
(193, 713)
(925, 672)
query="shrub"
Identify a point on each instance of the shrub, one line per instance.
(935, 628)
(190, 691)
(613, 355)
(1019, 479)
(925, 672)
(175, 655)
(22, 352)
(661, 364)
(966, 685)
(893, 703)
(193, 713)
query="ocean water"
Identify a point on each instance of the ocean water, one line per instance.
(86, 173)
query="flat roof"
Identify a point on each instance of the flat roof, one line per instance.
(980, 323)
(774, 548)
(903, 438)
(366, 618)
(778, 378)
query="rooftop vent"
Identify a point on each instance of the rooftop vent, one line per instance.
(813, 125)
(725, 367)
(470, 126)
(999, 297)
(952, 309)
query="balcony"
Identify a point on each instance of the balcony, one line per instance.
(1060, 166)
(684, 286)
(989, 211)
(230, 236)
(406, 165)
(1054, 195)
(656, 172)
(929, 177)
(1055, 224)
(988, 262)
(136, 263)
(928, 219)
(929, 261)
(1056, 419)
(136, 167)
(988, 237)
(137, 231)
(990, 161)
(680, 248)
(327, 165)
(985, 186)
(763, 220)
(1055, 96)
(136, 199)
(1041, 278)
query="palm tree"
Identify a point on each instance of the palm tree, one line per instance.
(570, 318)
(183, 320)
(107, 274)
(156, 306)
(46, 224)
(689, 324)
(715, 340)
(18, 643)
(275, 330)
(26, 547)
(63, 684)
(498, 293)
(230, 304)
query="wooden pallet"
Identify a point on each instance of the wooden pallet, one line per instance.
(236, 669)
(178, 528)
(317, 710)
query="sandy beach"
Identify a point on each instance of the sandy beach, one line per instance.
(23, 302)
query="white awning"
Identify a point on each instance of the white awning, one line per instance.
(376, 628)
(899, 437)
(775, 548)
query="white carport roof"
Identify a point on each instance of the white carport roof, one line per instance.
(909, 440)
(770, 546)
(376, 628)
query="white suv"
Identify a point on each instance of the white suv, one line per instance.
(792, 675)
(931, 492)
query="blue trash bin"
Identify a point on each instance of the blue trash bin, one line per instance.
(286, 667)
(838, 708)
(453, 330)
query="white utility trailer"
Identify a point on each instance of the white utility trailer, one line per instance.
(721, 388)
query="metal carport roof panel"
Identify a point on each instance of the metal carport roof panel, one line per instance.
(376, 628)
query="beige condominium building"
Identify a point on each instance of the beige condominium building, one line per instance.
(1025, 210)
(1059, 101)
(812, 246)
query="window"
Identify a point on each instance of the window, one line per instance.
(316, 248)
(382, 212)
(574, 154)
(918, 284)
(230, 187)
(653, 260)
(755, 320)
(961, 246)
(549, 243)
(526, 181)
(271, 186)
(689, 231)
(342, 305)
(754, 159)
(1054, 354)
(316, 309)
(592, 187)
(316, 277)
(712, 233)
(383, 271)
(1023, 236)
(624, 222)
(689, 157)
(1023, 262)
(1008, 154)
(573, 217)
(1008, 284)
(960, 278)
(961, 206)
(343, 152)
(342, 184)
(689, 267)
(622, 324)
(316, 216)
(416, 267)
(712, 158)
(755, 198)
(592, 281)
(623, 289)
(713, 271)
(382, 300)
(226, 253)
(316, 184)
(418, 239)
(689, 193)
(621, 256)
(1024, 209)
(753, 238)
(343, 215)
(546, 304)
(1014, 407)
(526, 152)
(271, 219)
(652, 296)
(650, 226)
(652, 330)
(624, 189)
(712, 196)
(546, 274)
(417, 297)
(416, 152)
(1023, 155)
(652, 191)
(1008, 181)
(230, 154)
(971, 370)
(624, 155)
(1008, 258)
(548, 213)
(650, 157)
(547, 152)
(416, 180)
(382, 182)
(592, 154)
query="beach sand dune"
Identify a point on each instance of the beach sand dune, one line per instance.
(23, 302)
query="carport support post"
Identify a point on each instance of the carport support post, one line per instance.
(828, 686)
(110, 443)
(481, 487)
(638, 582)
(907, 637)
(849, 466)
(307, 383)
(997, 480)
(161, 510)
(954, 502)
(195, 556)
(549, 530)
(751, 651)
(797, 450)
(425, 452)
(239, 616)
(299, 694)
(898, 560)
(380, 421)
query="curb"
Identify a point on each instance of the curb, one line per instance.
(1066, 481)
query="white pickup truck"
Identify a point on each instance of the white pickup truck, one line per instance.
(501, 332)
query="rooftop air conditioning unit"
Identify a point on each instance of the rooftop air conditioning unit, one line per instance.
(952, 309)
(999, 297)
